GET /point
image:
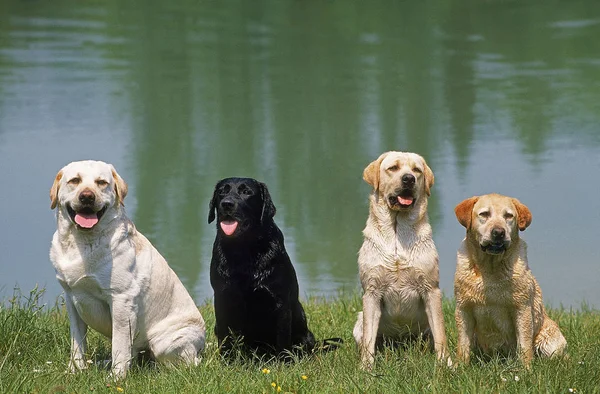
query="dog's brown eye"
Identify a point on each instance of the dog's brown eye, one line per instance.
(393, 168)
(484, 214)
(75, 181)
(508, 216)
(101, 182)
(417, 170)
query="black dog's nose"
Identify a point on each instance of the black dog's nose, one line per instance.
(408, 179)
(498, 234)
(87, 197)
(227, 204)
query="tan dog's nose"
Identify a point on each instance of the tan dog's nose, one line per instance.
(87, 197)
(498, 234)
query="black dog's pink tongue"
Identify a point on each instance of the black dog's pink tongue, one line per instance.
(86, 220)
(228, 226)
(405, 200)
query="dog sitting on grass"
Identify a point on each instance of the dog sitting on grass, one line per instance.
(114, 280)
(255, 284)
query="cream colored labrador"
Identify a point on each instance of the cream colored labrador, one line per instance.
(114, 280)
(499, 304)
(398, 261)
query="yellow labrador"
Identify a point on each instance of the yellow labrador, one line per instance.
(499, 304)
(114, 280)
(398, 261)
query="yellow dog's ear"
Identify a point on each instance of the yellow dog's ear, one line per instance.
(429, 178)
(120, 185)
(371, 173)
(523, 213)
(464, 211)
(54, 190)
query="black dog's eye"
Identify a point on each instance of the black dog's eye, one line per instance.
(225, 189)
(246, 191)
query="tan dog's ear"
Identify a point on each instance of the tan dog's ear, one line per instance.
(54, 190)
(120, 185)
(429, 178)
(371, 173)
(464, 211)
(524, 214)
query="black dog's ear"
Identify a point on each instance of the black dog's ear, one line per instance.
(268, 208)
(212, 205)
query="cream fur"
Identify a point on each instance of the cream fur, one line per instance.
(115, 281)
(398, 261)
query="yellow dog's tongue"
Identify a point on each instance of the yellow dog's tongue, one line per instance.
(228, 226)
(405, 200)
(86, 220)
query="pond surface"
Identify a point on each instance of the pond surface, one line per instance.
(498, 96)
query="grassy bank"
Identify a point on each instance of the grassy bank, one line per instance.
(34, 350)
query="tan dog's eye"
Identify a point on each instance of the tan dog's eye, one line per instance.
(101, 182)
(484, 214)
(74, 181)
(417, 170)
(393, 168)
(508, 216)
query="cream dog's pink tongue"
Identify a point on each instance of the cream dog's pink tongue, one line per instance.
(86, 220)
(228, 226)
(405, 200)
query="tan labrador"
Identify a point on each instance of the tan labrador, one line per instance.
(499, 304)
(398, 261)
(114, 280)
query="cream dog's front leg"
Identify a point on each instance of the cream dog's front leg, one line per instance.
(435, 317)
(371, 317)
(78, 330)
(124, 330)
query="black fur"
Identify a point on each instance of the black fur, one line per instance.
(255, 284)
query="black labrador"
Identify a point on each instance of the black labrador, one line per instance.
(255, 284)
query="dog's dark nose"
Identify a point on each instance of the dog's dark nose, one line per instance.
(227, 204)
(498, 234)
(87, 197)
(408, 180)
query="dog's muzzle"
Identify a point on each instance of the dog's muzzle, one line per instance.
(85, 217)
(403, 199)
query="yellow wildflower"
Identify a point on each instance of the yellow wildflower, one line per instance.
(278, 389)
(119, 389)
(273, 384)
(266, 371)
(304, 377)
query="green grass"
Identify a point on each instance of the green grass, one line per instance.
(34, 351)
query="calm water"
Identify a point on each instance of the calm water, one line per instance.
(498, 96)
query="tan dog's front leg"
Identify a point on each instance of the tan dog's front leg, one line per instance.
(78, 330)
(371, 317)
(524, 330)
(124, 329)
(465, 325)
(433, 308)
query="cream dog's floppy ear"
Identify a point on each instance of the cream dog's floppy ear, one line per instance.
(464, 211)
(523, 213)
(429, 179)
(371, 173)
(120, 185)
(54, 190)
